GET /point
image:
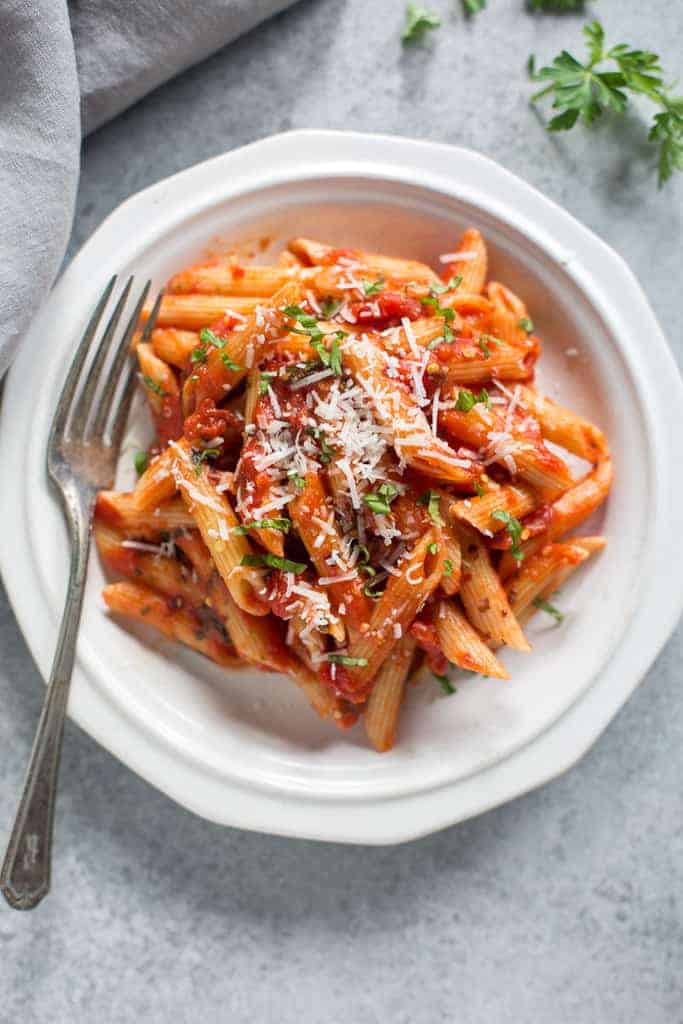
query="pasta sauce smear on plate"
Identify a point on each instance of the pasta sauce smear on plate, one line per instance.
(351, 476)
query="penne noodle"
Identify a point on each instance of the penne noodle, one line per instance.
(381, 712)
(565, 428)
(405, 594)
(516, 499)
(483, 596)
(216, 520)
(223, 368)
(174, 346)
(532, 460)
(163, 394)
(465, 364)
(473, 267)
(544, 572)
(162, 572)
(120, 509)
(570, 510)
(139, 602)
(461, 643)
(193, 312)
(231, 279)
(315, 253)
(157, 484)
(508, 315)
(450, 581)
(410, 432)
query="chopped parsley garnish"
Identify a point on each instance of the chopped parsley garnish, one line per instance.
(207, 337)
(347, 660)
(445, 683)
(526, 324)
(369, 589)
(229, 363)
(557, 5)
(150, 383)
(467, 400)
(587, 90)
(485, 340)
(380, 502)
(198, 354)
(274, 562)
(473, 6)
(439, 289)
(433, 548)
(418, 21)
(331, 356)
(478, 489)
(550, 609)
(447, 567)
(140, 461)
(264, 379)
(298, 481)
(330, 307)
(264, 524)
(326, 451)
(200, 455)
(373, 287)
(433, 502)
(514, 529)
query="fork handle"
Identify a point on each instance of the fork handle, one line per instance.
(25, 874)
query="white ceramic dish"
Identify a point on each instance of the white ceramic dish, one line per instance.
(244, 749)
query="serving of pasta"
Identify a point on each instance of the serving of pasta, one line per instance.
(353, 475)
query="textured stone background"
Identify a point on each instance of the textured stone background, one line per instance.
(565, 905)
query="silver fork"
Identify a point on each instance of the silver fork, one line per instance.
(82, 452)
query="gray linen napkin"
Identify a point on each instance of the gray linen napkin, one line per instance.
(110, 53)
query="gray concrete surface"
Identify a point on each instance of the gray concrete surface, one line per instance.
(565, 905)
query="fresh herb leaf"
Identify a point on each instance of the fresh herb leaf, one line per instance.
(514, 529)
(467, 400)
(150, 383)
(140, 461)
(485, 349)
(418, 21)
(274, 562)
(439, 288)
(198, 354)
(604, 82)
(433, 548)
(557, 5)
(207, 337)
(264, 379)
(445, 683)
(369, 590)
(550, 609)
(526, 324)
(478, 489)
(433, 502)
(380, 502)
(298, 481)
(345, 659)
(264, 524)
(330, 307)
(447, 567)
(373, 287)
(471, 7)
(200, 455)
(331, 356)
(229, 363)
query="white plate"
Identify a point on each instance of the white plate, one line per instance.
(244, 749)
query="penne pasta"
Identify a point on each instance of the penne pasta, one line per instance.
(483, 596)
(462, 644)
(350, 463)
(139, 602)
(384, 702)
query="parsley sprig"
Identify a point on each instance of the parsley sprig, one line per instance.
(380, 501)
(514, 529)
(274, 562)
(549, 609)
(603, 83)
(433, 502)
(419, 20)
(467, 400)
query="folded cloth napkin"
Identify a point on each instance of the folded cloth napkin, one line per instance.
(63, 65)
